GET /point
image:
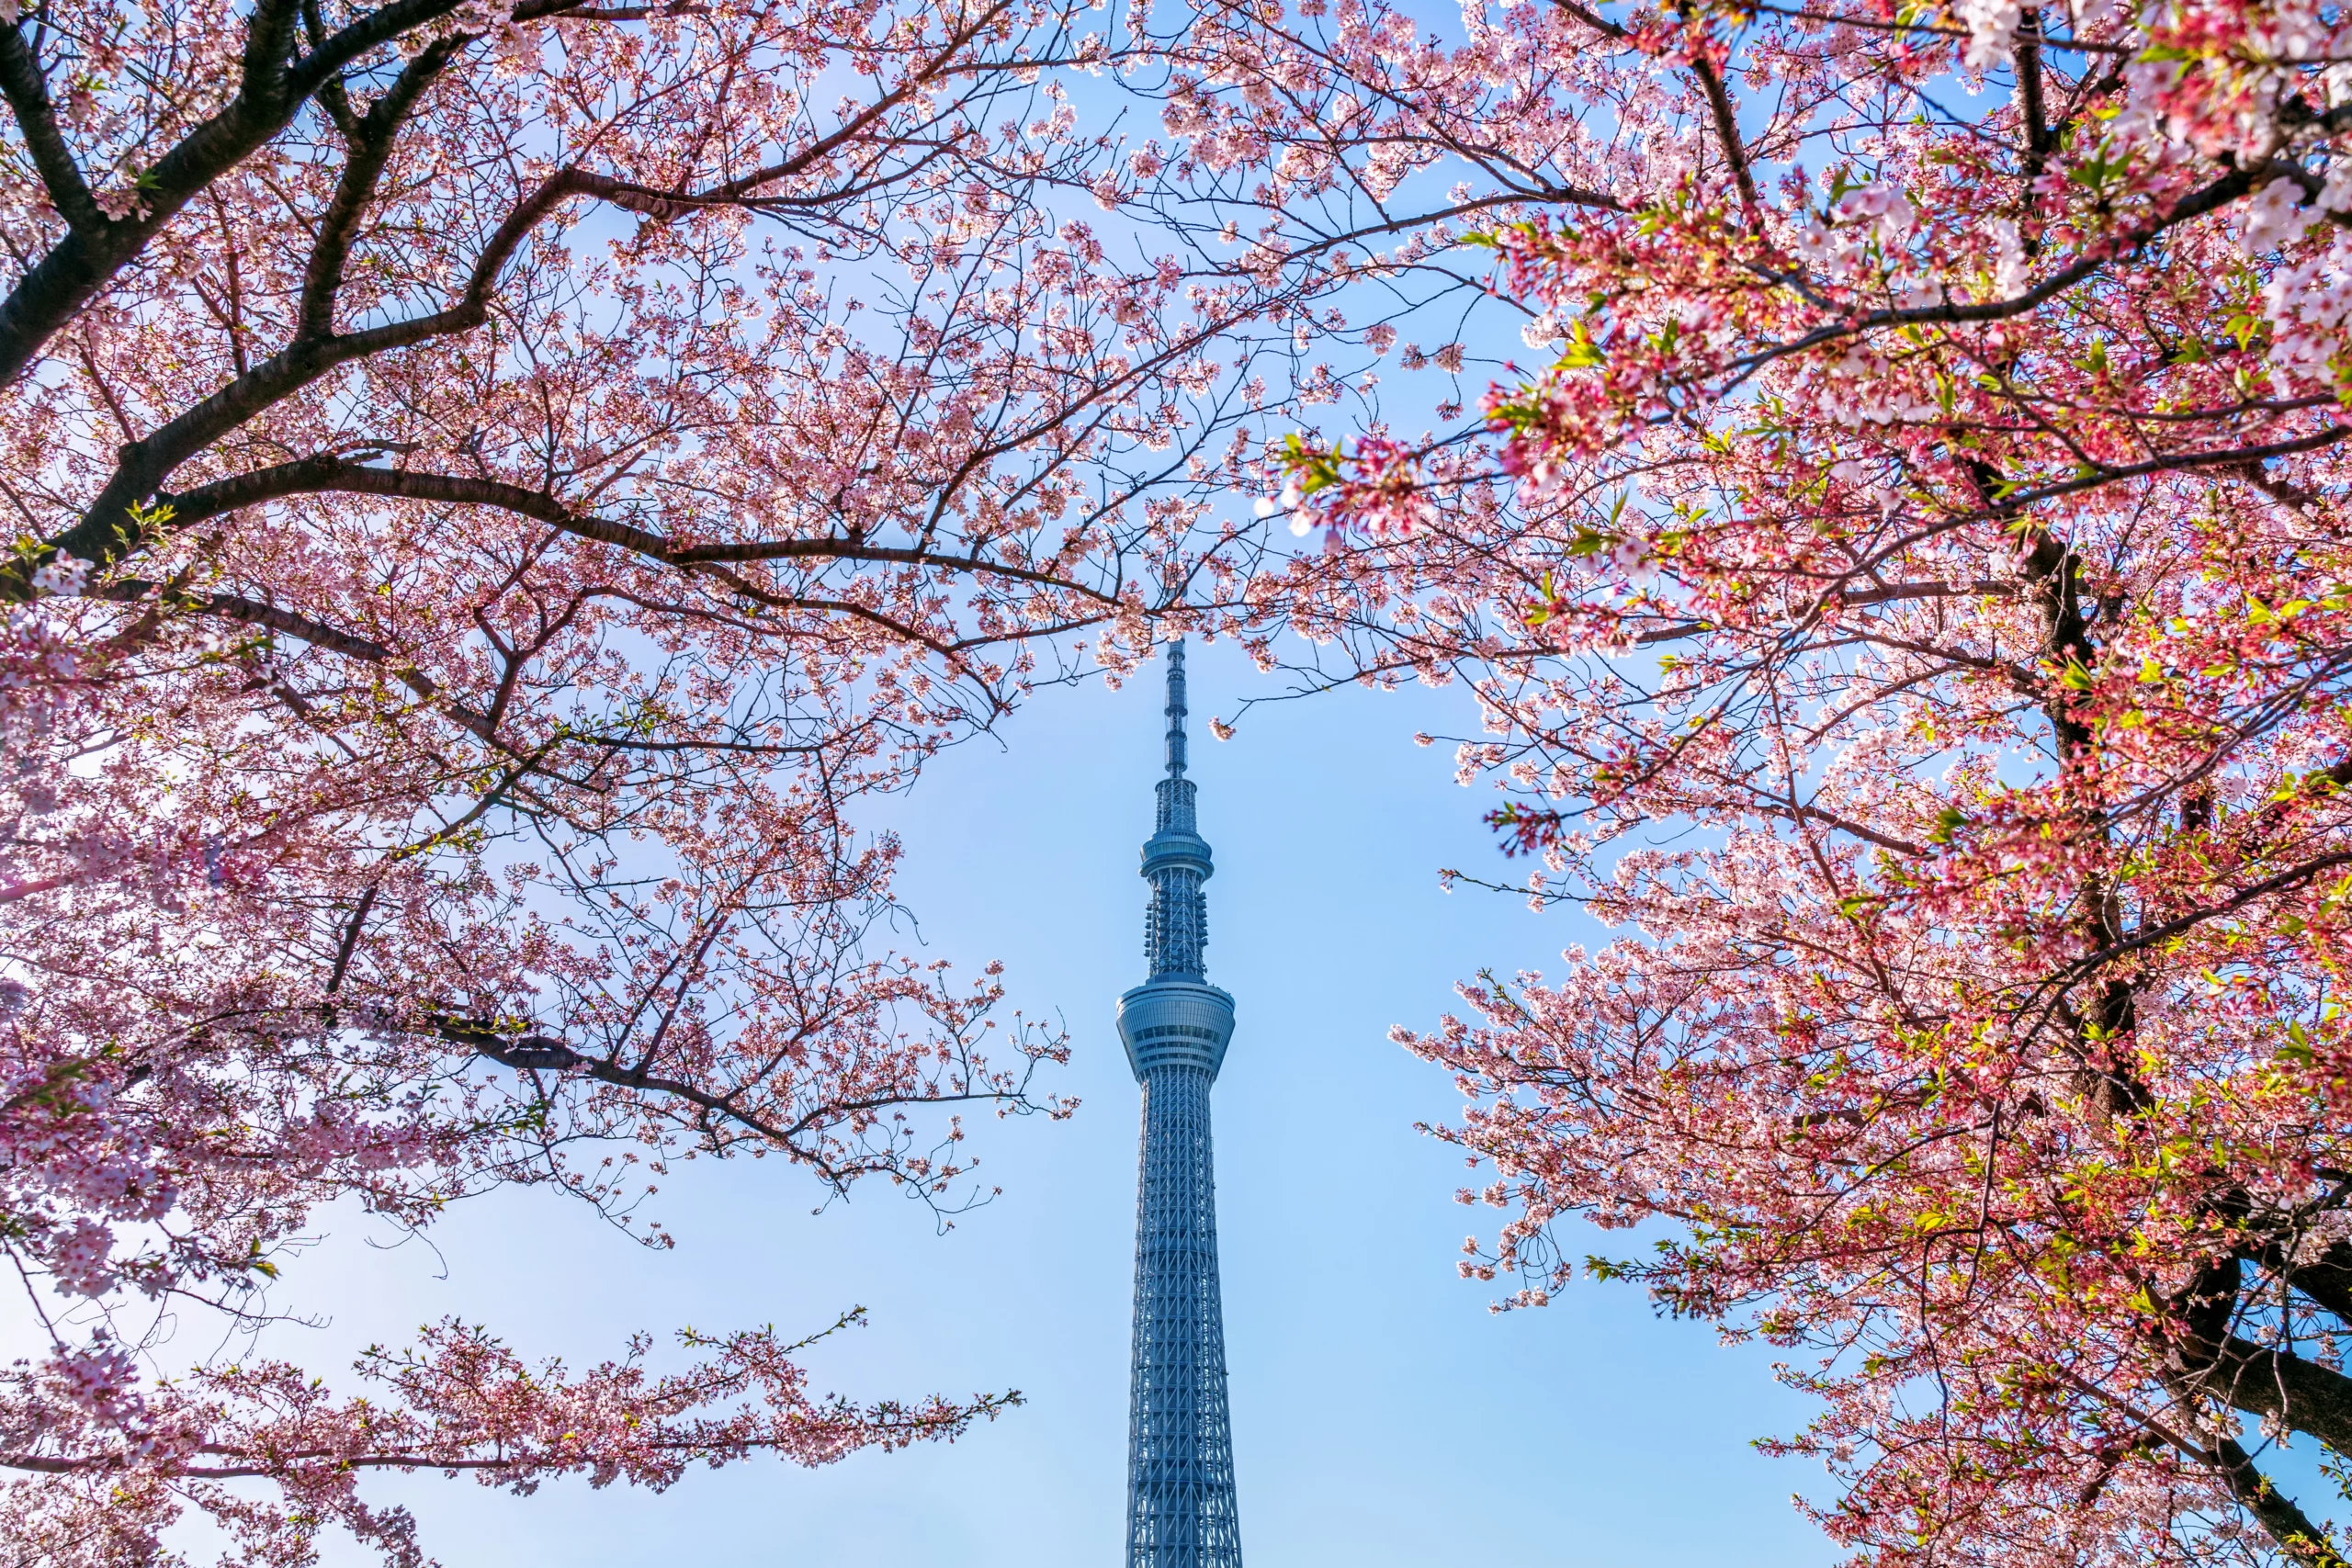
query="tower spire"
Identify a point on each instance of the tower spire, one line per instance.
(1180, 1510)
(1176, 861)
(1175, 709)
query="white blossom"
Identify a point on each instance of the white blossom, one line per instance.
(1992, 31)
(61, 575)
(2273, 216)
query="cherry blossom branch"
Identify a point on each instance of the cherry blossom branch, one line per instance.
(547, 1054)
(2214, 196)
(1727, 127)
(73, 271)
(26, 88)
(371, 140)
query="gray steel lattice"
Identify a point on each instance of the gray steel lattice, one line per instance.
(1181, 1511)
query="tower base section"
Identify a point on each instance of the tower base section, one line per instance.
(1181, 1508)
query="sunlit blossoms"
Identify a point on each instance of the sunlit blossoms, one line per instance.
(1907, 592)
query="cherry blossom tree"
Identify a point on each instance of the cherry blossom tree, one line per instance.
(503, 495)
(1906, 598)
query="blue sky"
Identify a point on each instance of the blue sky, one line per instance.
(1383, 1416)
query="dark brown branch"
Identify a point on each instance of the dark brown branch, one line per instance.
(331, 94)
(2285, 1523)
(275, 618)
(106, 531)
(2032, 114)
(73, 270)
(542, 1053)
(1592, 19)
(350, 942)
(2151, 936)
(2278, 1384)
(2214, 196)
(26, 89)
(1727, 120)
(372, 139)
(254, 614)
(831, 548)
(2324, 1281)
(331, 473)
(2175, 463)
(277, 1463)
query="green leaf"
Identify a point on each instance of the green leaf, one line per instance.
(1582, 352)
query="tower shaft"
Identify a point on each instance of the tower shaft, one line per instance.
(1180, 1507)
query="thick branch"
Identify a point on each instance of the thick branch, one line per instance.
(2324, 1281)
(28, 92)
(371, 150)
(2287, 1525)
(329, 473)
(1592, 19)
(2152, 936)
(2034, 117)
(74, 269)
(1726, 128)
(108, 531)
(2278, 1384)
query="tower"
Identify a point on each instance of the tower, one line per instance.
(1181, 1509)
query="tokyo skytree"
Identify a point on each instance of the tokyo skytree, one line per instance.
(1180, 1510)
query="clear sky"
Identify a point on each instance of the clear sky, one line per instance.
(1382, 1416)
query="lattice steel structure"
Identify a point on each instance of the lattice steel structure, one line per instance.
(1180, 1510)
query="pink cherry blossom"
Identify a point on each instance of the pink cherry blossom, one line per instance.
(1906, 602)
